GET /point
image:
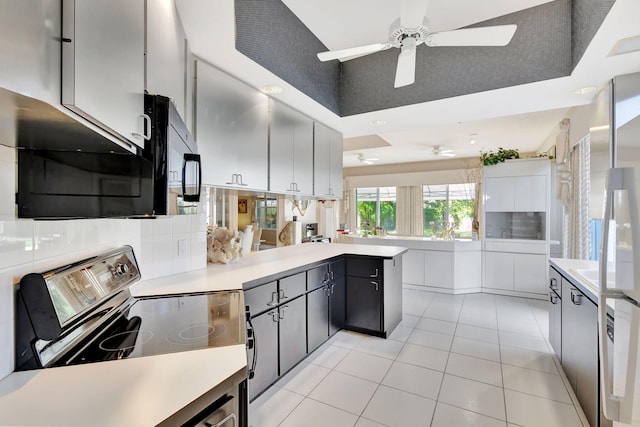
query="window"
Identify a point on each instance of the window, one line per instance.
(267, 213)
(376, 207)
(448, 203)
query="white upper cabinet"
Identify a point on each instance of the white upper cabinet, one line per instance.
(531, 193)
(103, 65)
(516, 194)
(498, 194)
(327, 162)
(166, 54)
(232, 123)
(290, 151)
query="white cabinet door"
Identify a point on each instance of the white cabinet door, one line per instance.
(232, 122)
(498, 270)
(439, 269)
(499, 194)
(166, 53)
(327, 162)
(530, 193)
(530, 273)
(413, 267)
(103, 64)
(290, 151)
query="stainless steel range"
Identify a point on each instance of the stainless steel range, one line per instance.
(84, 312)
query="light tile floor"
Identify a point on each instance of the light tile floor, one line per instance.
(455, 360)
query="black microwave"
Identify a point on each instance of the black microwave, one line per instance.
(85, 184)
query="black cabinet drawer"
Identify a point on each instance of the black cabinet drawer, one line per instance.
(261, 298)
(364, 267)
(292, 286)
(317, 277)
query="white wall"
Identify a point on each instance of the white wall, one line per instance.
(28, 246)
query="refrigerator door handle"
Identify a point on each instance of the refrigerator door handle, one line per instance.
(614, 183)
(610, 402)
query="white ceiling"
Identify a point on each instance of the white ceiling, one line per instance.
(516, 117)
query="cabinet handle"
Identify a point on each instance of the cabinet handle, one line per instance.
(274, 299)
(377, 285)
(293, 187)
(241, 181)
(230, 417)
(553, 283)
(234, 180)
(552, 298)
(282, 309)
(282, 295)
(332, 286)
(375, 274)
(274, 315)
(576, 299)
(327, 290)
(331, 273)
(147, 128)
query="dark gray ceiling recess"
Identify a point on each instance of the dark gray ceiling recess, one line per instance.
(550, 40)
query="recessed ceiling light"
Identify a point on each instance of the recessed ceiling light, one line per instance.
(271, 89)
(472, 138)
(378, 122)
(585, 90)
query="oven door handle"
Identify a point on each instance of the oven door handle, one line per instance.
(252, 342)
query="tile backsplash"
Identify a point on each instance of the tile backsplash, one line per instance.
(163, 246)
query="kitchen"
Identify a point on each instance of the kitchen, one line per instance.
(61, 241)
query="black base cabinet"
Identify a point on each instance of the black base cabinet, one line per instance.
(337, 305)
(265, 369)
(555, 312)
(294, 314)
(373, 294)
(573, 334)
(364, 298)
(325, 302)
(293, 333)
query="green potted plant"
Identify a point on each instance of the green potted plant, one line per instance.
(494, 157)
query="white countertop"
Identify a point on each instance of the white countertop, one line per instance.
(570, 268)
(146, 390)
(256, 265)
(131, 392)
(419, 242)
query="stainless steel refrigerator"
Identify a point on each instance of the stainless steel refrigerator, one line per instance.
(620, 257)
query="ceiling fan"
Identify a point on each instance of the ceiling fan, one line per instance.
(412, 29)
(439, 151)
(366, 160)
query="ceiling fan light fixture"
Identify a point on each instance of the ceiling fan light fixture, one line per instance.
(366, 160)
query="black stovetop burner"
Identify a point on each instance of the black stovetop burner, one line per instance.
(90, 325)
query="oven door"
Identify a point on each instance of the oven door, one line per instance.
(226, 405)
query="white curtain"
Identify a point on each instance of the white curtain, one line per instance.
(409, 211)
(575, 198)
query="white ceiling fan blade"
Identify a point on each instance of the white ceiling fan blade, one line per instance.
(499, 35)
(412, 12)
(448, 153)
(406, 68)
(353, 52)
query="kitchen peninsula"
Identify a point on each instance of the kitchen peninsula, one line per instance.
(451, 266)
(148, 390)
